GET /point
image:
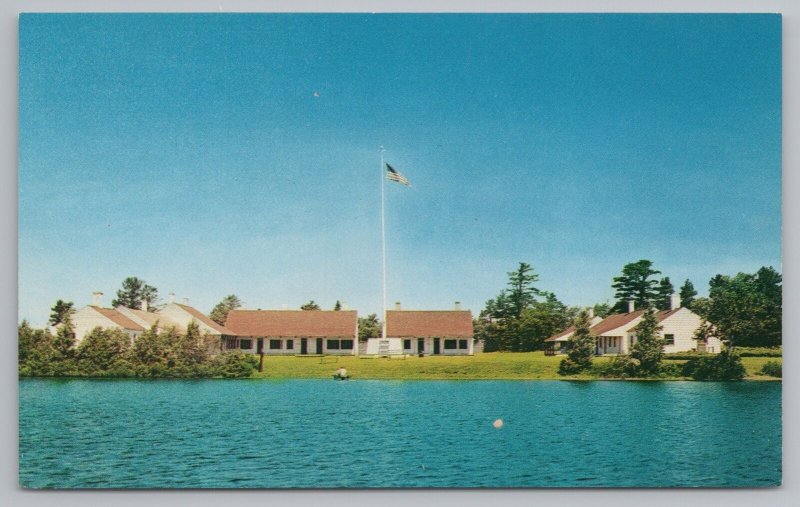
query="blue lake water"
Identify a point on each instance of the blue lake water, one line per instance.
(380, 434)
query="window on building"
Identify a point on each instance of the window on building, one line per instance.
(333, 344)
(450, 344)
(230, 343)
(406, 344)
(246, 344)
(275, 345)
(290, 344)
(462, 344)
(669, 339)
(347, 344)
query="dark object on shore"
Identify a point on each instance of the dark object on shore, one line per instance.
(336, 376)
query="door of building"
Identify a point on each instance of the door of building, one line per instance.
(319, 345)
(436, 346)
(303, 345)
(259, 345)
(420, 345)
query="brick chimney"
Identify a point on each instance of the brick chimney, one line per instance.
(97, 298)
(397, 306)
(631, 306)
(674, 301)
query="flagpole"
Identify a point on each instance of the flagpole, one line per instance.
(383, 243)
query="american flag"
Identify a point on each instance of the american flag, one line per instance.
(392, 174)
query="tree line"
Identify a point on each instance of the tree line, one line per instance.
(744, 309)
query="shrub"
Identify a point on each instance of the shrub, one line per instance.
(759, 351)
(771, 368)
(235, 364)
(723, 366)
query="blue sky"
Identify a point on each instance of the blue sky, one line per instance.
(219, 154)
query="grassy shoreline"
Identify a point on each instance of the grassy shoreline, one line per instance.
(486, 366)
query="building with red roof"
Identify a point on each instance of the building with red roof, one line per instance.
(297, 332)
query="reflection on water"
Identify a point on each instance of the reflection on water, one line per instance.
(377, 434)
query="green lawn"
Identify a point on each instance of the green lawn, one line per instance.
(494, 365)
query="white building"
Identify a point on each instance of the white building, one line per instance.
(94, 315)
(182, 315)
(437, 332)
(616, 334)
(294, 332)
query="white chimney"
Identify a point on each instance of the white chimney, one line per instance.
(97, 298)
(590, 312)
(171, 297)
(344, 306)
(397, 306)
(674, 301)
(144, 305)
(186, 301)
(458, 306)
(631, 306)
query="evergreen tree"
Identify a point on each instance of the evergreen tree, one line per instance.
(219, 313)
(311, 305)
(60, 311)
(580, 347)
(648, 350)
(522, 293)
(635, 284)
(132, 293)
(665, 291)
(687, 294)
(338, 306)
(64, 340)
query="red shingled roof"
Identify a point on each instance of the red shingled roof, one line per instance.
(119, 319)
(199, 316)
(613, 322)
(292, 323)
(422, 324)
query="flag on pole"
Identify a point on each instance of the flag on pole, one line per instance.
(392, 174)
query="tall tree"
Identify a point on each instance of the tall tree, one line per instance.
(311, 305)
(635, 284)
(60, 311)
(581, 347)
(746, 309)
(687, 294)
(649, 347)
(132, 293)
(665, 291)
(337, 306)
(521, 292)
(219, 313)
(64, 340)
(369, 327)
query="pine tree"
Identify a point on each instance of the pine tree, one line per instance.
(60, 311)
(687, 294)
(581, 347)
(522, 293)
(665, 291)
(219, 313)
(636, 285)
(338, 306)
(648, 350)
(311, 305)
(132, 293)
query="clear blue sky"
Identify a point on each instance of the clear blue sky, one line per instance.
(219, 154)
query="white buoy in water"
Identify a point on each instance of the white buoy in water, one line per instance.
(498, 423)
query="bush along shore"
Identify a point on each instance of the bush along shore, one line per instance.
(110, 353)
(170, 354)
